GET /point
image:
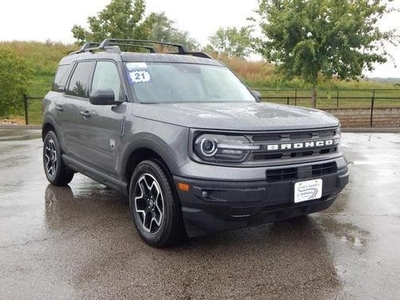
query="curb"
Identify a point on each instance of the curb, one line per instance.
(23, 127)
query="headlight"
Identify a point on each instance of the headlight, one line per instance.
(223, 148)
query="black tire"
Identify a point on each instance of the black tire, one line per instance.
(54, 168)
(154, 208)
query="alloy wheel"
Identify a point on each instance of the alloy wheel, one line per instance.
(149, 203)
(50, 154)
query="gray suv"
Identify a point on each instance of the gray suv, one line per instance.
(189, 144)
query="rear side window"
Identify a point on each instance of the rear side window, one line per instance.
(61, 78)
(79, 82)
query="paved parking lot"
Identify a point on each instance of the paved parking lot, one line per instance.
(78, 242)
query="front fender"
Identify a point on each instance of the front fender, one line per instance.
(169, 142)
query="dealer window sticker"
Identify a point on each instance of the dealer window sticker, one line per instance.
(140, 76)
(133, 66)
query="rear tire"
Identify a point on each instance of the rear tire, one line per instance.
(54, 168)
(154, 207)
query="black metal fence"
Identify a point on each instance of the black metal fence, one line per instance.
(326, 99)
(357, 98)
(32, 108)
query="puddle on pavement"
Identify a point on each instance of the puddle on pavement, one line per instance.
(67, 207)
(347, 233)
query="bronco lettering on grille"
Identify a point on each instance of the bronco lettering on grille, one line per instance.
(305, 145)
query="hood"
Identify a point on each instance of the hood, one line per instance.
(236, 116)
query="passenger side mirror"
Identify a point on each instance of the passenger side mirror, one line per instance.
(257, 95)
(103, 97)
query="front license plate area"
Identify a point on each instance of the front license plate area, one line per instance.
(307, 190)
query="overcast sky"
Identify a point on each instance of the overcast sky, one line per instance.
(53, 19)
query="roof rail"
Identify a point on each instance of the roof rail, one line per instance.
(150, 48)
(199, 54)
(112, 45)
(86, 47)
(127, 42)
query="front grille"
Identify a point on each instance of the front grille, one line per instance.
(281, 175)
(288, 174)
(324, 169)
(292, 145)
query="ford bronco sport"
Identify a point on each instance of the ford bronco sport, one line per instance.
(189, 144)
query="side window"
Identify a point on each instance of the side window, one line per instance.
(78, 85)
(106, 77)
(61, 78)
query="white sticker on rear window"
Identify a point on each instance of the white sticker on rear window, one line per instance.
(140, 76)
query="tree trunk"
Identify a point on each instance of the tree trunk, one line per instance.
(314, 98)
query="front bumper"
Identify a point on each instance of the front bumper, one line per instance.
(211, 206)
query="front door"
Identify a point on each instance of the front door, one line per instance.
(101, 127)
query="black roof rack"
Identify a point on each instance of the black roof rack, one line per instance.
(199, 54)
(86, 47)
(125, 42)
(112, 45)
(150, 48)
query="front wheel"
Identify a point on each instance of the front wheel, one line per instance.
(154, 208)
(54, 168)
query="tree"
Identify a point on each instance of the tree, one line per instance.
(233, 41)
(124, 19)
(14, 80)
(120, 19)
(323, 37)
(162, 29)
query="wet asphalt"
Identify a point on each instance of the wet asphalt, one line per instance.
(78, 242)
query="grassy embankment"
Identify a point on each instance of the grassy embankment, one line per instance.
(44, 57)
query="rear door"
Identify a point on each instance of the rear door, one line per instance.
(76, 92)
(76, 100)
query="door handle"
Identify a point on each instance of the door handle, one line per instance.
(59, 108)
(85, 114)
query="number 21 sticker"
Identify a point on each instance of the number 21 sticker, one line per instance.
(141, 76)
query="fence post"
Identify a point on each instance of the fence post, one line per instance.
(295, 97)
(287, 100)
(337, 98)
(372, 108)
(26, 108)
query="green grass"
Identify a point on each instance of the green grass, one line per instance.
(43, 59)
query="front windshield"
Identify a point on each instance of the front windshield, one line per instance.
(181, 82)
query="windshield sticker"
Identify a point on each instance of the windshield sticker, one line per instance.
(140, 76)
(136, 66)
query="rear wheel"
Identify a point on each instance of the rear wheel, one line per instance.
(154, 208)
(56, 171)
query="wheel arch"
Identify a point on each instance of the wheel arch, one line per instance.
(147, 150)
(46, 128)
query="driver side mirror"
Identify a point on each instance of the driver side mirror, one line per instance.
(103, 97)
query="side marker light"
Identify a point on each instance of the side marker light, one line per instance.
(184, 187)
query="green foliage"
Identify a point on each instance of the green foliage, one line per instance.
(323, 37)
(162, 29)
(124, 19)
(42, 59)
(120, 19)
(232, 41)
(14, 80)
